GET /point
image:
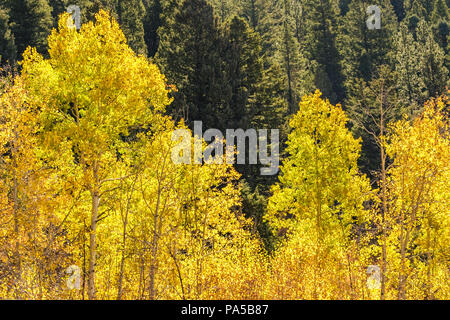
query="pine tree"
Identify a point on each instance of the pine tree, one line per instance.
(131, 14)
(321, 21)
(253, 11)
(190, 56)
(225, 10)
(344, 6)
(152, 21)
(399, 9)
(440, 12)
(407, 66)
(441, 24)
(371, 107)
(364, 50)
(283, 33)
(295, 64)
(244, 67)
(7, 45)
(416, 8)
(432, 59)
(31, 23)
(92, 7)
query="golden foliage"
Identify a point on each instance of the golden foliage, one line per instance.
(87, 179)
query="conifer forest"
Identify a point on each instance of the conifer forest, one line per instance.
(224, 150)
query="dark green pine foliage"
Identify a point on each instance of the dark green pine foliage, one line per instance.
(432, 61)
(244, 71)
(365, 114)
(256, 96)
(298, 71)
(283, 31)
(189, 55)
(260, 15)
(7, 46)
(91, 7)
(321, 19)
(364, 50)
(58, 7)
(410, 84)
(415, 12)
(442, 32)
(447, 57)
(417, 8)
(87, 8)
(272, 107)
(253, 10)
(131, 15)
(428, 6)
(440, 12)
(344, 7)
(31, 23)
(279, 30)
(254, 204)
(440, 20)
(152, 21)
(225, 10)
(399, 9)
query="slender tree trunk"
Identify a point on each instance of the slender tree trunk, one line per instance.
(124, 239)
(180, 278)
(142, 270)
(318, 195)
(16, 208)
(84, 259)
(253, 15)
(402, 275)
(202, 249)
(429, 257)
(16, 227)
(122, 262)
(288, 60)
(384, 201)
(383, 222)
(92, 239)
(154, 248)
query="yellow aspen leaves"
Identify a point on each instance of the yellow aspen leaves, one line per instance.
(93, 206)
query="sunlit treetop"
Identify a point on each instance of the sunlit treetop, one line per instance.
(93, 87)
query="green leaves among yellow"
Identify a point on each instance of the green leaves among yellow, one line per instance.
(317, 204)
(319, 178)
(87, 179)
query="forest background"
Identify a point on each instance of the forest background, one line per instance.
(85, 141)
